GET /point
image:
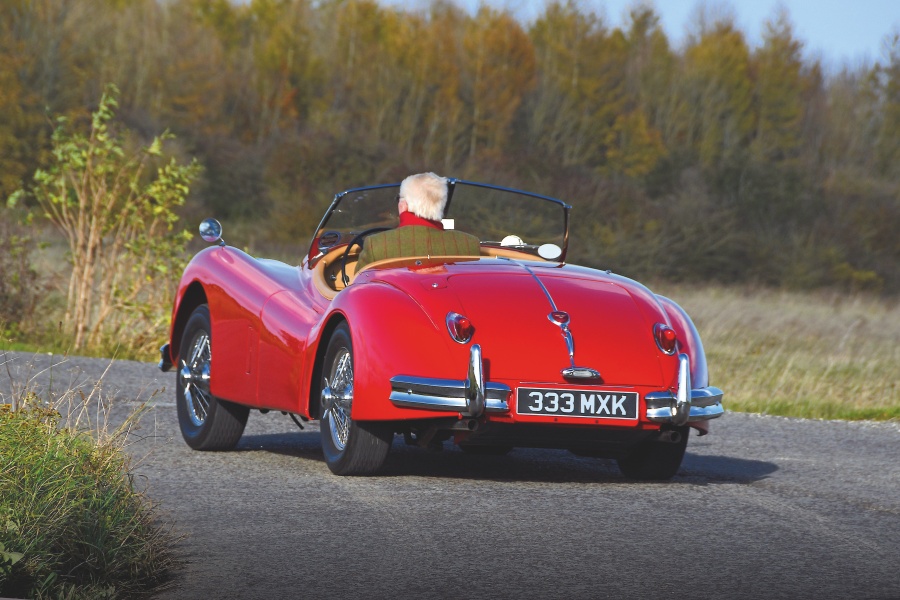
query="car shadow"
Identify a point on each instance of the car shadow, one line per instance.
(521, 464)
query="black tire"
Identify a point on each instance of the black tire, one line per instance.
(350, 447)
(655, 460)
(207, 423)
(477, 450)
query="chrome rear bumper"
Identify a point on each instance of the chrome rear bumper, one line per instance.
(686, 404)
(706, 404)
(472, 397)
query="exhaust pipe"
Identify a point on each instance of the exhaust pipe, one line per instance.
(669, 436)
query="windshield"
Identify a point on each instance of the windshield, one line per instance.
(499, 217)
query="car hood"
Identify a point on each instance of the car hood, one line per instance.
(509, 303)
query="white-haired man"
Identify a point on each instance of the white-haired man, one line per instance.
(421, 204)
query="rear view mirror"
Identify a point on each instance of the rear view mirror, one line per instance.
(549, 251)
(211, 231)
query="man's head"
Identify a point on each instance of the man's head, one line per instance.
(424, 195)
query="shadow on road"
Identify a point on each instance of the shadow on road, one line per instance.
(726, 469)
(522, 464)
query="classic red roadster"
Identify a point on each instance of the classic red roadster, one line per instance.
(512, 348)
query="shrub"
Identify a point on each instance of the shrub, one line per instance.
(18, 289)
(119, 218)
(72, 523)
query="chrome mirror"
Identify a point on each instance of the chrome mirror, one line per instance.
(549, 251)
(211, 231)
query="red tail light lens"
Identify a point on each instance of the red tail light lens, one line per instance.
(460, 327)
(666, 338)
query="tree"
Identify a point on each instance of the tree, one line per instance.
(887, 143)
(720, 92)
(779, 94)
(120, 226)
(499, 69)
(580, 85)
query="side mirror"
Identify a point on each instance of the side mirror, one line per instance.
(549, 251)
(211, 231)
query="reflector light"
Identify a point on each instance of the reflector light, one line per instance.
(460, 327)
(666, 338)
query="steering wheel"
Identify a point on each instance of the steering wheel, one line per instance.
(357, 239)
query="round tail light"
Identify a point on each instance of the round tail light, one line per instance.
(460, 327)
(665, 337)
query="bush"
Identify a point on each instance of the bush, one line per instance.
(71, 522)
(18, 289)
(117, 208)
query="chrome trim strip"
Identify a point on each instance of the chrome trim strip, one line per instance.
(564, 327)
(539, 282)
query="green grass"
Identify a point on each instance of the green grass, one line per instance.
(72, 524)
(815, 355)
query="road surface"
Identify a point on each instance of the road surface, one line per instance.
(763, 507)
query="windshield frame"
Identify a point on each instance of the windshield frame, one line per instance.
(315, 252)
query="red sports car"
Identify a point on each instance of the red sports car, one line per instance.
(512, 348)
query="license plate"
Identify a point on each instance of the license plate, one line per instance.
(595, 404)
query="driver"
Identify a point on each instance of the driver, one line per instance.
(421, 205)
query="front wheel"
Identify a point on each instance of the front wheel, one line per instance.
(350, 447)
(207, 423)
(656, 460)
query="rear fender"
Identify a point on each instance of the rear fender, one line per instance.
(689, 340)
(392, 335)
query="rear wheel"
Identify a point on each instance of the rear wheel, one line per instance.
(655, 460)
(207, 423)
(350, 447)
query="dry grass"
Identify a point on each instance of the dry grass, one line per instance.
(72, 523)
(818, 355)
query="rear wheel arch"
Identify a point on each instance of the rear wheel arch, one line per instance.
(314, 392)
(193, 297)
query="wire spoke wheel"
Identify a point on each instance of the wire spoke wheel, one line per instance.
(207, 423)
(350, 447)
(340, 392)
(194, 373)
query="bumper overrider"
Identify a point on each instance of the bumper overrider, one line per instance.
(473, 397)
(165, 363)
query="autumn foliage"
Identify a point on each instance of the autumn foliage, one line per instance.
(713, 161)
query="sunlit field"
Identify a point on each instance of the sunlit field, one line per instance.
(819, 355)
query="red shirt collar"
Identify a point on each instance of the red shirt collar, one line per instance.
(408, 218)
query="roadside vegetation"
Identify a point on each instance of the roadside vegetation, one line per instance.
(721, 162)
(826, 355)
(72, 523)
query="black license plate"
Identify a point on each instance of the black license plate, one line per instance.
(595, 404)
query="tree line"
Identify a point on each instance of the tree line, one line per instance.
(715, 161)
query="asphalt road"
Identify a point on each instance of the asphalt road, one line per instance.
(764, 507)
